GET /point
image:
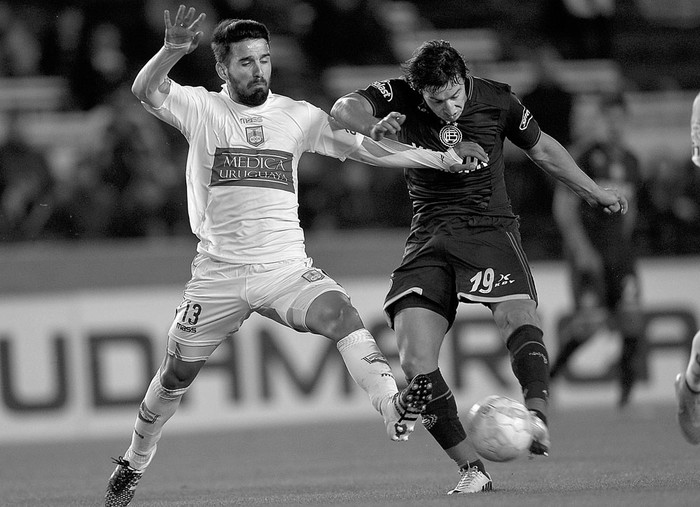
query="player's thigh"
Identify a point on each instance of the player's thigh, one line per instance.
(213, 308)
(419, 335)
(287, 294)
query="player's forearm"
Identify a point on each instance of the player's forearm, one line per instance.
(151, 84)
(553, 158)
(390, 153)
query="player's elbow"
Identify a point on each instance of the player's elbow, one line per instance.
(338, 109)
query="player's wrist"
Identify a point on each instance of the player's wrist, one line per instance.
(176, 46)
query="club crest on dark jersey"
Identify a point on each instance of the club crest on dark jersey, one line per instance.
(255, 135)
(450, 135)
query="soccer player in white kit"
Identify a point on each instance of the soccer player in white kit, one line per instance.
(688, 382)
(245, 144)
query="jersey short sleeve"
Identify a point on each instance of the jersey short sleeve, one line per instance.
(327, 137)
(387, 96)
(521, 127)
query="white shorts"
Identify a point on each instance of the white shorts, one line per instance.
(220, 296)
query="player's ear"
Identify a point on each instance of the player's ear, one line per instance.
(222, 71)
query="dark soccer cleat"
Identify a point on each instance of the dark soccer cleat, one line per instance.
(473, 480)
(122, 484)
(403, 409)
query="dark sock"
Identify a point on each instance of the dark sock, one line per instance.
(440, 417)
(530, 363)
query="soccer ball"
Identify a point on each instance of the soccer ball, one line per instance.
(500, 428)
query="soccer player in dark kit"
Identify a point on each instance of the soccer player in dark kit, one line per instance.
(600, 249)
(464, 244)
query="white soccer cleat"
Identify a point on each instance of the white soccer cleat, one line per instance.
(473, 480)
(688, 415)
(540, 436)
(403, 409)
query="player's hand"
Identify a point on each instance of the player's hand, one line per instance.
(185, 30)
(473, 157)
(390, 125)
(613, 201)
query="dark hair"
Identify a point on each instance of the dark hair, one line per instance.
(435, 64)
(229, 31)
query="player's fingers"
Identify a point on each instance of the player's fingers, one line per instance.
(198, 21)
(188, 17)
(180, 16)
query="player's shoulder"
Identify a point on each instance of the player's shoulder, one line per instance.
(396, 88)
(490, 92)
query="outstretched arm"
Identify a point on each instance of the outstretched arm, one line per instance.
(152, 84)
(355, 112)
(553, 158)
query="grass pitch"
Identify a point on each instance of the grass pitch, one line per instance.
(599, 457)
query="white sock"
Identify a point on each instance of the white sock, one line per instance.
(158, 405)
(368, 366)
(692, 373)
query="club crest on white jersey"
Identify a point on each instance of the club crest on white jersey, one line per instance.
(255, 135)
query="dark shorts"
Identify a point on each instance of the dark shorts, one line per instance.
(457, 261)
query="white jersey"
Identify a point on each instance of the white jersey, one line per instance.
(241, 172)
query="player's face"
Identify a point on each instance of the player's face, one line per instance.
(247, 74)
(447, 102)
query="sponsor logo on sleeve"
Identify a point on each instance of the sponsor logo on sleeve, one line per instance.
(525, 120)
(252, 168)
(384, 88)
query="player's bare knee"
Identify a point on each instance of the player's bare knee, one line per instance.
(509, 317)
(178, 374)
(335, 320)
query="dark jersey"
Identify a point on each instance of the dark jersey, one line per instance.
(491, 114)
(610, 165)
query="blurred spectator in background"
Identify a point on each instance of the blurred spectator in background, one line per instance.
(101, 65)
(348, 32)
(26, 186)
(600, 250)
(583, 28)
(20, 50)
(550, 102)
(60, 43)
(136, 160)
(670, 206)
(533, 190)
